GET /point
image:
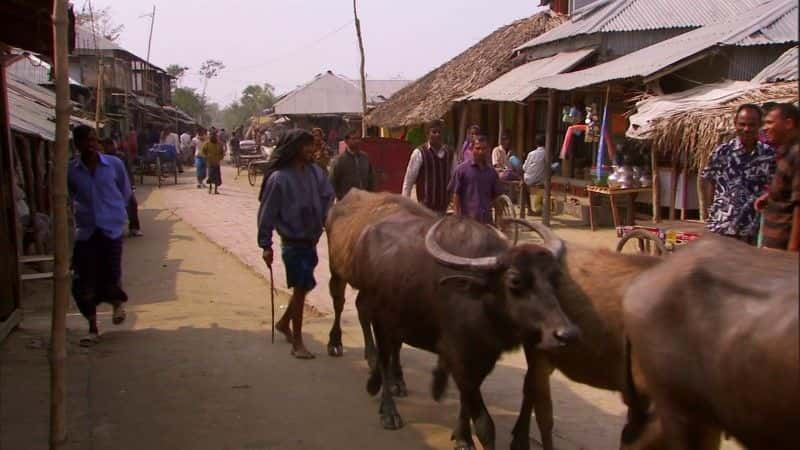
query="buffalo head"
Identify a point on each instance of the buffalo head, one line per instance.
(521, 284)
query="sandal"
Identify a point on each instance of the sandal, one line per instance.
(119, 314)
(89, 340)
(302, 354)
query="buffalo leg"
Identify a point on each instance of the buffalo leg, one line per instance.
(462, 435)
(337, 287)
(469, 376)
(535, 396)
(366, 328)
(375, 380)
(683, 434)
(390, 418)
(399, 388)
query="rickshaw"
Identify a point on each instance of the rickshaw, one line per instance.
(159, 161)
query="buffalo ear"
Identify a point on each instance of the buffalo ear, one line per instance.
(465, 282)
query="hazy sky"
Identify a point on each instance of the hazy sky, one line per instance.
(287, 42)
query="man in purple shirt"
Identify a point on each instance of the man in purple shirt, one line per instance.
(475, 184)
(99, 188)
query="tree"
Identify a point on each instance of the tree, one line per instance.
(188, 100)
(103, 22)
(177, 72)
(210, 69)
(254, 100)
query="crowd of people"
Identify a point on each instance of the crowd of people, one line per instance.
(301, 183)
(751, 188)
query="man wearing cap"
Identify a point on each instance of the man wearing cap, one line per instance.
(295, 198)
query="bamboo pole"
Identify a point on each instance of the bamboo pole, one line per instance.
(701, 202)
(656, 186)
(673, 188)
(61, 274)
(684, 191)
(58, 330)
(363, 73)
(550, 145)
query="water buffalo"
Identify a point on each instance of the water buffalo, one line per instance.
(447, 285)
(590, 294)
(715, 347)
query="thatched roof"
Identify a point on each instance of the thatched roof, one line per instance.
(430, 97)
(691, 135)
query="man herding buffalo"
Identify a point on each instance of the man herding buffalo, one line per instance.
(295, 197)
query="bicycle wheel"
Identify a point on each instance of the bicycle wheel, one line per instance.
(158, 171)
(647, 242)
(252, 174)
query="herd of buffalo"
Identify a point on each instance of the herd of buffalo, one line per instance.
(699, 343)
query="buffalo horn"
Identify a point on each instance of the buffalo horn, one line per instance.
(551, 242)
(451, 260)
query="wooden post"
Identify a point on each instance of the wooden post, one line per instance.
(656, 187)
(519, 130)
(462, 128)
(363, 74)
(673, 187)
(61, 281)
(701, 202)
(684, 189)
(501, 120)
(550, 146)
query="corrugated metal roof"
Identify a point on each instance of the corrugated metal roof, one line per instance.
(328, 93)
(781, 31)
(32, 109)
(379, 91)
(783, 69)
(85, 40)
(637, 15)
(650, 60)
(520, 83)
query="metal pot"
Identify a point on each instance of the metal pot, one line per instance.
(625, 177)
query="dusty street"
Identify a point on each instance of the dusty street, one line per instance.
(193, 368)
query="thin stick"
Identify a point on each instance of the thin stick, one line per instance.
(363, 74)
(272, 300)
(58, 328)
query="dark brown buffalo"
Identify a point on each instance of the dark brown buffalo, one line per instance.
(715, 343)
(590, 294)
(447, 285)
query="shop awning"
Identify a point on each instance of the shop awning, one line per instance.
(32, 109)
(521, 82)
(651, 108)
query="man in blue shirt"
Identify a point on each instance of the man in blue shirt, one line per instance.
(99, 189)
(295, 198)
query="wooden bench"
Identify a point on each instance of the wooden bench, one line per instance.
(31, 259)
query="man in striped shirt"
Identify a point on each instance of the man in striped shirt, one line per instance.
(780, 206)
(429, 169)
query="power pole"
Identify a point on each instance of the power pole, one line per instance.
(146, 79)
(61, 281)
(363, 75)
(98, 109)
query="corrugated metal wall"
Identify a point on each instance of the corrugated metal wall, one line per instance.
(618, 44)
(746, 62)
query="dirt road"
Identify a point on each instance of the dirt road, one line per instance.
(193, 368)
